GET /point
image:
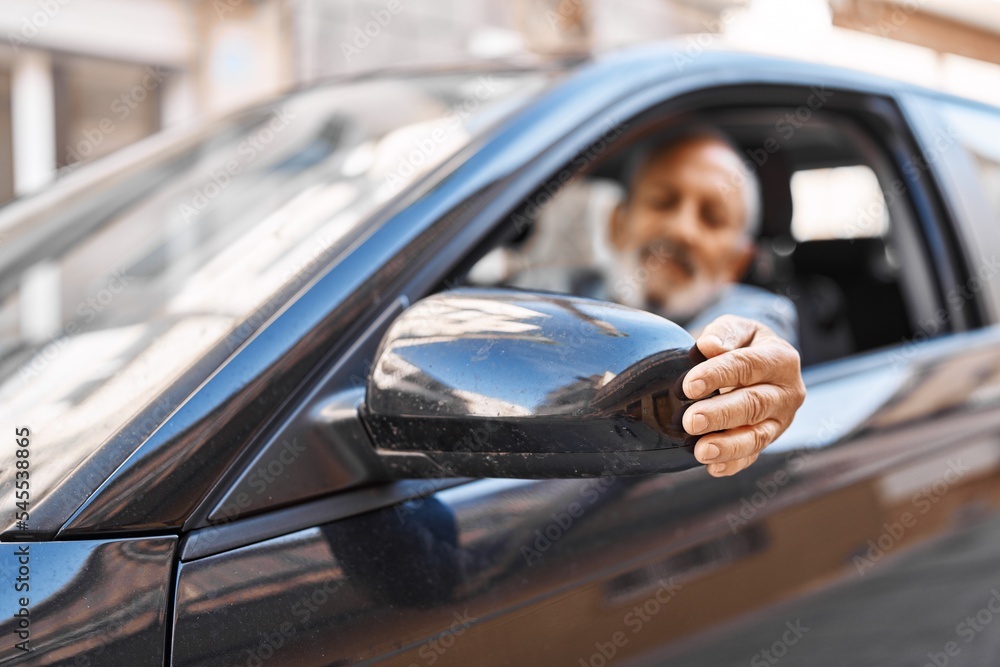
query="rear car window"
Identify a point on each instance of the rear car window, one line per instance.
(838, 203)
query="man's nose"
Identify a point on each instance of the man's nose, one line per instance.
(682, 226)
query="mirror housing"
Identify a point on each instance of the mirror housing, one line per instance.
(503, 383)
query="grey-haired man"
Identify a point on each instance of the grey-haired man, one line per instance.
(688, 220)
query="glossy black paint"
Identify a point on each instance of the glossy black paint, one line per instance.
(500, 383)
(228, 535)
(692, 570)
(323, 448)
(93, 602)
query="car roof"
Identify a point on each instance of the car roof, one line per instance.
(678, 50)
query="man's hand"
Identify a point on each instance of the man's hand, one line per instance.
(764, 381)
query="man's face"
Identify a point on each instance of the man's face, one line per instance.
(682, 227)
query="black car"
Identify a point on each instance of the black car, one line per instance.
(311, 385)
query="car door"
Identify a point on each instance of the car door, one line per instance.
(867, 530)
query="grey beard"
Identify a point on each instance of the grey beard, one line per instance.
(628, 282)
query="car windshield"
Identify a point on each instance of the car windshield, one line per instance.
(122, 275)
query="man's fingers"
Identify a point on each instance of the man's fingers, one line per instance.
(740, 407)
(772, 361)
(726, 333)
(737, 443)
(731, 467)
(759, 379)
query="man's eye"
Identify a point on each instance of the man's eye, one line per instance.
(713, 217)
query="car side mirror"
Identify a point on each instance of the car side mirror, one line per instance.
(503, 383)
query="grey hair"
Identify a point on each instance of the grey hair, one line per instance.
(751, 189)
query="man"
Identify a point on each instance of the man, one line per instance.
(685, 232)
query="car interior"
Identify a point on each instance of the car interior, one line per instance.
(833, 238)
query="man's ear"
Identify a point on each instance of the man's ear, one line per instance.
(616, 226)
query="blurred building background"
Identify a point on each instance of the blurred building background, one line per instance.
(82, 78)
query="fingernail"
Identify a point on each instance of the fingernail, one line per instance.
(707, 452)
(696, 388)
(715, 340)
(698, 423)
(716, 468)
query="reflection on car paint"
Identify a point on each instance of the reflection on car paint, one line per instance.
(99, 601)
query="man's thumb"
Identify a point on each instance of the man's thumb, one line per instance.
(711, 345)
(726, 333)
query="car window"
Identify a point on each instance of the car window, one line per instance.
(826, 201)
(567, 243)
(108, 292)
(834, 238)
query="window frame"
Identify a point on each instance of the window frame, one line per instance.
(451, 242)
(953, 176)
(888, 150)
